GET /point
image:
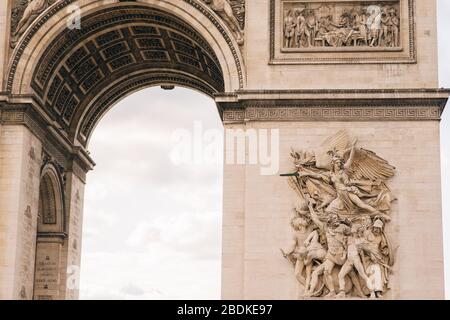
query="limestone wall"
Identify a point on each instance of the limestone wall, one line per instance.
(416, 227)
(261, 75)
(20, 154)
(72, 255)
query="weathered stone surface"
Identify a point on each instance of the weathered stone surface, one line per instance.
(306, 68)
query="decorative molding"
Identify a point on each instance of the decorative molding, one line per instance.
(333, 114)
(225, 35)
(407, 54)
(334, 110)
(55, 151)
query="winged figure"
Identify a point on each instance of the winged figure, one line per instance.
(346, 186)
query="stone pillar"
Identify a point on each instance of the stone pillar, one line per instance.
(233, 223)
(44, 264)
(72, 254)
(20, 159)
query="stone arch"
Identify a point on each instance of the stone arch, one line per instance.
(121, 48)
(53, 21)
(51, 237)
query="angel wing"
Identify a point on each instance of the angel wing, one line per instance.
(367, 165)
(339, 142)
(292, 181)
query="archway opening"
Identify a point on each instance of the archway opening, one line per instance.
(119, 50)
(153, 204)
(123, 48)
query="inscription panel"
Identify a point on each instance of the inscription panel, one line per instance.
(47, 278)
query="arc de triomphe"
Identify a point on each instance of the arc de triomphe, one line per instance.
(350, 85)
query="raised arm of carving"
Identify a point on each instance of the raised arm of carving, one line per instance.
(314, 217)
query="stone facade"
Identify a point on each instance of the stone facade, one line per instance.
(308, 68)
(262, 227)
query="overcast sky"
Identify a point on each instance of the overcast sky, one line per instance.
(152, 229)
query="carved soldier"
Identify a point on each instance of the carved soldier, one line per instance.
(336, 234)
(379, 257)
(315, 252)
(354, 253)
(361, 25)
(374, 24)
(394, 27)
(306, 247)
(297, 251)
(300, 27)
(311, 26)
(289, 29)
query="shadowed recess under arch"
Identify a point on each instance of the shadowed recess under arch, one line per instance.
(119, 50)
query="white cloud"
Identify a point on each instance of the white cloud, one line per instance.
(152, 230)
(191, 234)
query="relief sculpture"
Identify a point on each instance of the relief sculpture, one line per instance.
(232, 13)
(23, 14)
(341, 24)
(340, 247)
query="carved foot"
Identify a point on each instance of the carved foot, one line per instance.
(341, 294)
(332, 294)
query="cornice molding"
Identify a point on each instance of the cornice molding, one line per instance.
(333, 105)
(54, 143)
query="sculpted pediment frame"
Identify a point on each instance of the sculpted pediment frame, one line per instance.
(324, 51)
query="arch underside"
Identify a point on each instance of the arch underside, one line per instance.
(119, 50)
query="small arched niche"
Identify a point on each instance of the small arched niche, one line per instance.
(51, 237)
